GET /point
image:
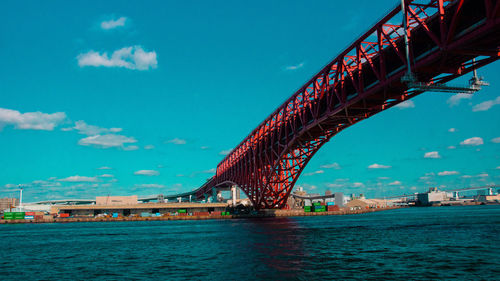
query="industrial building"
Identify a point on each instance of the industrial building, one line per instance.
(136, 209)
(6, 203)
(433, 196)
(116, 200)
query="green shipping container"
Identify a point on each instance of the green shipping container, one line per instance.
(317, 204)
(19, 215)
(307, 209)
(181, 211)
(8, 216)
(323, 209)
(223, 213)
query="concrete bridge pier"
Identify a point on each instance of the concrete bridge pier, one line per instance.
(216, 195)
(235, 194)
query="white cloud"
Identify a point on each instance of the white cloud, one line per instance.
(413, 188)
(150, 185)
(334, 185)
(210, 171)
(314, 173)
(358, 184)
(483, 175)
(112, 24)
(466, 176)
(424, 178)
(147, 173)
(130, 147)
(102, 137)
(91, 130)
(310, 187)
(225, 152)
(498, 168)
(335, 166)
(31, 120)
(378, 166)
(452, 130)
(383, 178)
(486, 105)
(106, 141)
(406, 104)
(104, 168)
(395, 183)
(129, 57)
(78, 178)
(149, 147)
(106, 176)
(432, 154)
(204, 147)
(455, 99)
(451, 147)
(295, 67)
(496, 140)
(475, 141)
(448, 173)
(177, 141)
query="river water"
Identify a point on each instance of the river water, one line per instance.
(411, 243)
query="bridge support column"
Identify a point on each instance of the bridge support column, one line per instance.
(214, 194)
(234, 194)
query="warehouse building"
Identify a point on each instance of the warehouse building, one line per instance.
(433, 196)
(6, 203)
(136, 209)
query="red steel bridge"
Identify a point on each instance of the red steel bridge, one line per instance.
(418, 46)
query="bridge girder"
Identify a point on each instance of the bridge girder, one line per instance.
(445, 35)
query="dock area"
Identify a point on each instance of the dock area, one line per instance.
(192, 216)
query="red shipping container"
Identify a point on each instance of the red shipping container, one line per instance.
(333, 208)
(29, 213)
(63, 215)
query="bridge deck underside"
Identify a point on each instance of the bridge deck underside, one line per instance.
(362, 81)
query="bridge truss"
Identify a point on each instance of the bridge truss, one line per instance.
(446, 39)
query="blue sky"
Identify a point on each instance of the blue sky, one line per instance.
(120, 98)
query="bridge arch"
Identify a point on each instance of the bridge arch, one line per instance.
(447, 39)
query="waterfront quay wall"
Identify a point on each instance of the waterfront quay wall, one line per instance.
(261, 214)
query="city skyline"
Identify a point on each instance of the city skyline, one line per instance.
(104, 100)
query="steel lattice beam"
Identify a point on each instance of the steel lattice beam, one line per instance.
(361, 81)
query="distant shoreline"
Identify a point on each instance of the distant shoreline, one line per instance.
(262, 214)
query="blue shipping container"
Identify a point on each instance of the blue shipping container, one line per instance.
(145, 214)
(115, 215)
(330, 203)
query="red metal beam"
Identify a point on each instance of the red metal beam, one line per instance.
(362, 81)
